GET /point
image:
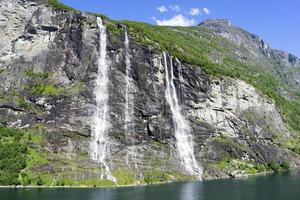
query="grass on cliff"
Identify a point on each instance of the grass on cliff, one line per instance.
(41, 84)
(46, 89)
(57, 4)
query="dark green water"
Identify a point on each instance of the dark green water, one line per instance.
(285, 186)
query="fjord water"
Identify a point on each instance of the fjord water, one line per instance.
(99, 146)
(184, 140)
(285, 186)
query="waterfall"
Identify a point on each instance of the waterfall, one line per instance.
(129, 108)
(128, 97)
(181, 92)
(184, 140)
(99, 146)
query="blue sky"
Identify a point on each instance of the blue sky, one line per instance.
(275, 21)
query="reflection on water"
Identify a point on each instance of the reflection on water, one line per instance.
(191, 191)
(284, 186)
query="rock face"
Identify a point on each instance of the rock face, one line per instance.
(48, 67)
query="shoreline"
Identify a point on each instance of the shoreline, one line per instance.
(133, 185)
(87, 187)
(267, 173)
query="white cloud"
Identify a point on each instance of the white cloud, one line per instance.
(177, 20)
(175, 8)
(162, 9)
(206, 11)
(194, 11)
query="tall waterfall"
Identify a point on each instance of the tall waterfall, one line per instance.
(184, 140)
(99, 146)
(128, 97)
(129, 108)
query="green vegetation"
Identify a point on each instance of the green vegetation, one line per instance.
(36, 75)
(61, 6)
(293, 144)
(155, 176)
(32, 74)
(152, 176)
(46, 89)
(229, 165)
(276, 167)
(285, 165)
(35, 158)
(50, 180)
(124, 177)
(17, 99)
(12, 155)
(91, 182)
(115, 29)
(27, 179)
(19, 154)
(41, 85)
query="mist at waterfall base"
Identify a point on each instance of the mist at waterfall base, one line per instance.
(283, 186)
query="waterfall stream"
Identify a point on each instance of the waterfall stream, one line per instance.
(129, 108)
(184, 140)
(99, 146)
(128, 96)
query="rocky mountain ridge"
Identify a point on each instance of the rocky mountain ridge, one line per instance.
(260, 50)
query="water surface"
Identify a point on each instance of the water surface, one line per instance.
(284, 186)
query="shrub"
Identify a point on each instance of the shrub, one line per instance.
(60, 182)
(260, 168)
(274, 166)
(285, 165)
(39, 181)
(155, 176)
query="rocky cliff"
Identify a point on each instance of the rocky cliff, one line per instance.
(48, 68)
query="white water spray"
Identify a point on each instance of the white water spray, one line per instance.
(99, 146)
(129, 107)
(184, 140)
